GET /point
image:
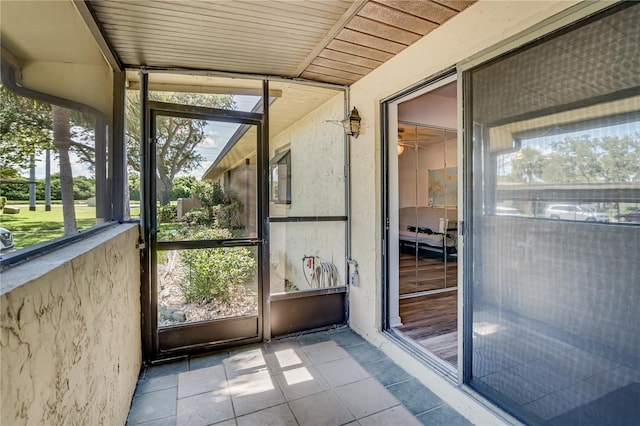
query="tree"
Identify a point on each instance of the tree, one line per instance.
(62, 141)
(134, 186)
(28, 127)
(573, 160)
(586, 160)
(183, 187)
(25, 129)
(620, 158)
(177, 138)
(528, 165)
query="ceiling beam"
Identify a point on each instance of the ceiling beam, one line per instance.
(89, 17)
(356, 6)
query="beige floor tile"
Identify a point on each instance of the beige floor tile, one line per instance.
(324, 408)
(300, 382)
(280, 415)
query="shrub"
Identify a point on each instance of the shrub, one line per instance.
(167, 213)
(3, 202)
(223, 206)
(212, 273)
(198, 217)
(209, 193)
(230, 215)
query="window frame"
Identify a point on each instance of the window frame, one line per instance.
(565, 21)
(105, 170)
(281, 159)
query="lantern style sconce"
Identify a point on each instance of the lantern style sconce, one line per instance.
(350, 124)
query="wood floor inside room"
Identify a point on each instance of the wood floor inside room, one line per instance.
(432, 322)
(426, 273)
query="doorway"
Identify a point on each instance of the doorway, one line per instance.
(256, 248)
(422, 196)
(205, 285)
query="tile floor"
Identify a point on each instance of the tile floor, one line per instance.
(325, 378)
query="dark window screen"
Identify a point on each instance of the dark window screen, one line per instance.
(555, 221)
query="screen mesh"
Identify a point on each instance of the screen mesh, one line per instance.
(556, 225)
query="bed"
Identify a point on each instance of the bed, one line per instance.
(427, 230)
(432, 242)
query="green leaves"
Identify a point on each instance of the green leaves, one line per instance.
(214, 273)
(580, 160)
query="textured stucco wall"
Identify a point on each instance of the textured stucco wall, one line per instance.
(479, 27)
(317, 189)
(70, 337)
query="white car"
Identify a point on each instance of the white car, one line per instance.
(6, 240)
(574, 212)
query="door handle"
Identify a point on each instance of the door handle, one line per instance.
(240, 243)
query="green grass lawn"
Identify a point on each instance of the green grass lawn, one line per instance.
(31, 228)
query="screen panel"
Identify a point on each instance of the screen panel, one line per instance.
(555, 243)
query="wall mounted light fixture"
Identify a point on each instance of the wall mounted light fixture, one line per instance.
(350, 124)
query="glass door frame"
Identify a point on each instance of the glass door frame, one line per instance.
(390, 317)
(188, 338)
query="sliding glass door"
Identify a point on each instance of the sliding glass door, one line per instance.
(554, 168)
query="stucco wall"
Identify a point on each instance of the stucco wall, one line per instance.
(70, 338)
(317, 189)
(477, 28)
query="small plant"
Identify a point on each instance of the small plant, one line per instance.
(289, 286)
(167, 213)
(213, 273)
(3, 202)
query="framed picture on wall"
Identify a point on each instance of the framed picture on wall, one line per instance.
(443, 187)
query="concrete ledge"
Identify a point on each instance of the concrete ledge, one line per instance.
(30, 270)
(70, 336)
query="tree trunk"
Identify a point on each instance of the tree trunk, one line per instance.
(163, 188)
(62, 141)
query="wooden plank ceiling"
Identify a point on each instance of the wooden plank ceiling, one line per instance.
(334, 41)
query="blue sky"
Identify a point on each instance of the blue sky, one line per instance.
(217, 137)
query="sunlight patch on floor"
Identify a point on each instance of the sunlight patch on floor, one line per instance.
(297, 376)
(288, 358)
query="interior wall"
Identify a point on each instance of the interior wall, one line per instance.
(70, 341)
(413, 177)
(430, 110)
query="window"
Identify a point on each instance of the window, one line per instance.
(555, 143)
(52, 165)
(280, 172)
